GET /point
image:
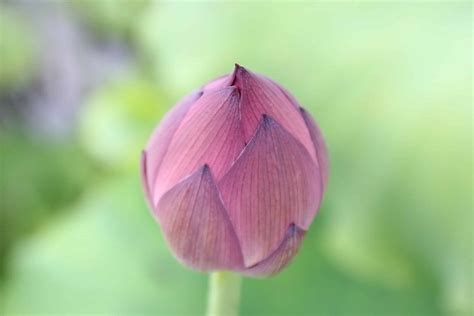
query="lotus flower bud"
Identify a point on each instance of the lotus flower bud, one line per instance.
(235, 174)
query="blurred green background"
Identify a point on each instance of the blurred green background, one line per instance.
(83, 83)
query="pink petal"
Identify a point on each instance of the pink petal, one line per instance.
(196, 225)
(281, 257)
(273, 184)
(163, 134)
(209, 134)
(320, 145)
(287, 94)
(259, 96)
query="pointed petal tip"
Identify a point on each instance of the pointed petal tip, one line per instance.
(237, 67)
(240, 70)
(205, 170)
(294, 229)
(238, 76)
(281, 257)
(267, 119)
(268, 122)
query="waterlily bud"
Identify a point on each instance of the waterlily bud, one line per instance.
(235, 174)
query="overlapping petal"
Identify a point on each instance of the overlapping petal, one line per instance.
(273, 184)
(209, 134)
(163, 134)
(320, 146)
(259, 96)
(281, 257)
(197, 226)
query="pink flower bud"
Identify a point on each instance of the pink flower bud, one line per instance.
(235, 174)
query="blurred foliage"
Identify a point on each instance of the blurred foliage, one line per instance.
(17, 50)
(110, 17)
(114, 260)
(107, 257)
(117, 120)
(38, 178)
(390, 85)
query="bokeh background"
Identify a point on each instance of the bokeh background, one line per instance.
(83, 83)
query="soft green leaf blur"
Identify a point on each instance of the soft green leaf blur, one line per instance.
(17, 50)
(390, 84)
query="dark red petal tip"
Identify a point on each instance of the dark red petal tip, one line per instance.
(267, 120)
(238, 76)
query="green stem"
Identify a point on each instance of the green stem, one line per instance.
(224, 294)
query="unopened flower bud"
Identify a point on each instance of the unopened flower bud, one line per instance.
(235, 174)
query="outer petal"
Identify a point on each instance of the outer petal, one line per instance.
(196, 225)
(209, 134)
(163, 134)
(259, 96)
(273, 184)
(281, 257)
(319, 144)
